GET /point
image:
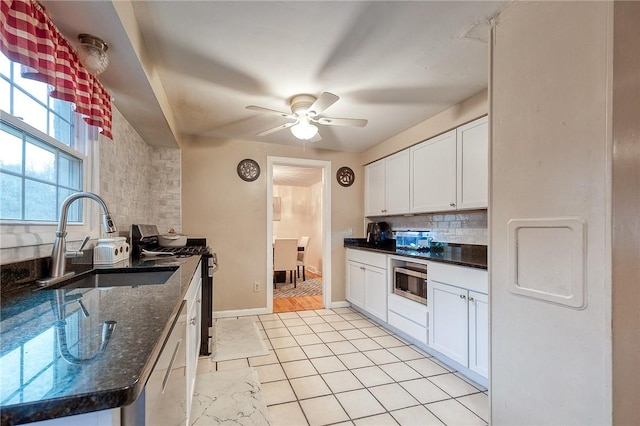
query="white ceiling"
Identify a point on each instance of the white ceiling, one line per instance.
(394, 63)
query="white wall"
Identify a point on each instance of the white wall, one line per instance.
(551, 152)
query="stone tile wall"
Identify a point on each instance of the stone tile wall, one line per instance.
(469, 227)
(139, 183)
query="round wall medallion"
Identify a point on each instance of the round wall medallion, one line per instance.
(248, 170)
(345, 176)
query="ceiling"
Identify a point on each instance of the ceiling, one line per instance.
(190, 68)
(296, 175)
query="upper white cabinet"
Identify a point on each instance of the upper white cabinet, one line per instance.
(445, 173)
(473, 164)
(397, 183)
(433, 174)
(387, 185)
(375, 201)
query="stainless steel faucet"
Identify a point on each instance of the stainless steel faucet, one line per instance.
(59, 253)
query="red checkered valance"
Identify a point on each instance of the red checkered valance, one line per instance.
(29, 37)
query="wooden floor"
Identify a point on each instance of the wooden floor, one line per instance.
(304, 303)
(290, 304)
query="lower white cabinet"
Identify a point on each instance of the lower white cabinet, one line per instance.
(459, 315)
(479, 333)
(194, 318)
(367, 282)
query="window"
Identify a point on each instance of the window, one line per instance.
(43, 152)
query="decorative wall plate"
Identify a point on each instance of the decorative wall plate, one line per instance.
(345, 176)
(248, 170)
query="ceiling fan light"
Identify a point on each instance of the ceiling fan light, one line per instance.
(304, 130)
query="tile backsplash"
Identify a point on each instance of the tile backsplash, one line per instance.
(139, 183)
(468, 227)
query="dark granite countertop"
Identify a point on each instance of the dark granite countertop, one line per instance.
(38, 383)
(471, 255)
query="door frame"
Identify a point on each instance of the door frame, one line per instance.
(326, 223)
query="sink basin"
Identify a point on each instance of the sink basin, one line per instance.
(100, 278)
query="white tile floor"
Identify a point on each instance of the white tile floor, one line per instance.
(334, 366)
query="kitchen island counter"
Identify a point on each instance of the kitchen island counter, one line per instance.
(39, 383)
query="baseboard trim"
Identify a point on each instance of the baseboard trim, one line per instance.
(342, 304)
(240, 313)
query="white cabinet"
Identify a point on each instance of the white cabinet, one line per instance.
(387, 185)
(397, 183)
(375, 201)
(458, 315)
(449, 324)
(408, 316)
(355, 283)
(367, 282)
(479, 333)
(473, 164)
(433, 174)
(375, 293)
(193, 319)
(451, 171)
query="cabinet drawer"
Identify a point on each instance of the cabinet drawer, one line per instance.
(409, 327)
(460, 276)
(409, 309)
(368, 258)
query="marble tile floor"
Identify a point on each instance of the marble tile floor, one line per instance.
(336, 367)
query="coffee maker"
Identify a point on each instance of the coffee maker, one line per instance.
(377, 232)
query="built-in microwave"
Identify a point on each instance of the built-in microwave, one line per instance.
(411, 282)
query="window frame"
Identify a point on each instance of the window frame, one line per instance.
(21, 233)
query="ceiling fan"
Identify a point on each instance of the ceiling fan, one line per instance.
(306, 110)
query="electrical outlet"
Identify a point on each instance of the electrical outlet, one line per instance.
(256, 286)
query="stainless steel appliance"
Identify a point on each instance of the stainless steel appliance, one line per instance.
(144, 244)
(410, 281)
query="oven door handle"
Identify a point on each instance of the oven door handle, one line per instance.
(411, 272)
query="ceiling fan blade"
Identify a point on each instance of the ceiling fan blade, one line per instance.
(352, 122)
(270, 111)
(316, 138)
(325, 100)
(276, 129)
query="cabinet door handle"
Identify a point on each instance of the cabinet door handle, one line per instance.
(452, 204)
(362, 268)
(193, 321)
(471, 299)
(462, 296)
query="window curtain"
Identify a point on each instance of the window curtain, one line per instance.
(29, 37)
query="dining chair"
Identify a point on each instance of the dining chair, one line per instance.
(285, 258)
(302, 252)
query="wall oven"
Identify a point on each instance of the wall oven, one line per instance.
(410, 281)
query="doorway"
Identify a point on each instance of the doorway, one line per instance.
(298, 205)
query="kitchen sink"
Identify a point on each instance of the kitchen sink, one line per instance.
(100, 278)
